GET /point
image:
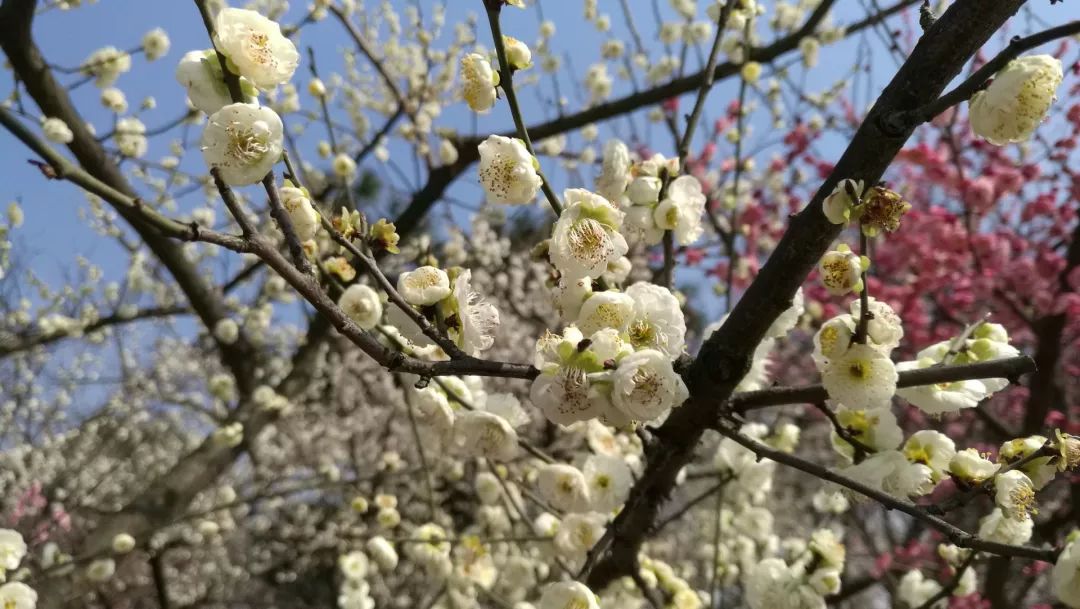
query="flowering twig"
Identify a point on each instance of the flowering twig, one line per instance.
(506, 82)
(897, 122)
(726, 355)
(952, 585)
(965, 495)
(861, 450)
(1008, 368)
(952, 532)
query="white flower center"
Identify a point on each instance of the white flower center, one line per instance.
(589, 241)
(257, 48)
(642, 334)
(248, 144)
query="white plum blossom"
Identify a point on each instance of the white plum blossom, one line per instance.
(255, 47)
(862, 378)
(229, 435)
(1065, 578)
(518, 54)
(344, 166)
(586, 237)
(448, 152)
(362, 305)
(915, 590)
(477, 320)
(610, 309)
(932, 449)
(972, 467)
(640, 225)
(114, 99)
(838, 205)
(644, 190)
(155, 44)
(682, 210)
(569, 387)
(200, 74)
(891, 472)
(508, 172)
(609, 479)
(57, 131)
(564, 487)
(645, 385)
(479, 82)
(305, 220)
(507, 406)
(12, 550)
(1017, 100)
(483, 434)
(243, 142)
(772, 584)
(885, 329)
(17, 595)
(998, 527)
(567, 595)
(841, 271)
(123, 543)
(1040, 470)
(833, 339)
(617, 271)
(614, 171)
(578, 533)
(106, 64)
(424, 286)
(101, 570)
(569, 295)
(657, 320)
(1014, 493)
(131, 137)
(354, 565)
(876, 429)
(941, 398)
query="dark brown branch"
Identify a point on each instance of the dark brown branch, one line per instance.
(726, 356)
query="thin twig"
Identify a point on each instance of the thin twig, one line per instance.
(506, 82)
(952, 532)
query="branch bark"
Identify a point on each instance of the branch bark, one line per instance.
(725, 357)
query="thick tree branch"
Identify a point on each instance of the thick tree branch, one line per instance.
(725, 357)
(32, 70)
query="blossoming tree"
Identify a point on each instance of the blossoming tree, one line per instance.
(661, 360)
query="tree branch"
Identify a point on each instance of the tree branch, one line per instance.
(726, 356)
(1010, 368)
